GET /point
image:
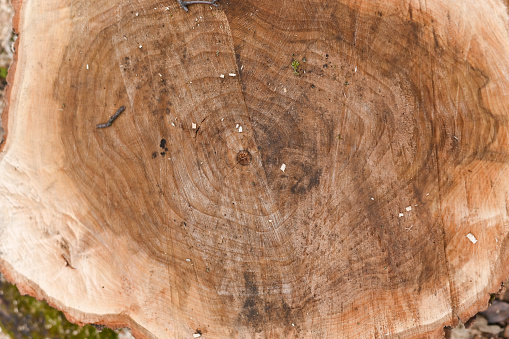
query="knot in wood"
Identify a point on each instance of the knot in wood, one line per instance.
(244, 157)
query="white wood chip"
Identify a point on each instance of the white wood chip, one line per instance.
(87, 66)
(196, 335)
(221, 76)
(193, 125)
(232, 74)
(400, 215)
(471, 237)
(408, 208)
(240, 129)
(283, 167)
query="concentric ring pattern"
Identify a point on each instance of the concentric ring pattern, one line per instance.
(355, 118)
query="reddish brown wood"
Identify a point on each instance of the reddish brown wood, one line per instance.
(368, 165)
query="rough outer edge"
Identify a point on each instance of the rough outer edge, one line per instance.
(24, 285)
(113, 321)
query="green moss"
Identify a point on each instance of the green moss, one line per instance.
(295, 67)
(3, 73)
(493, 296)
(25, 317)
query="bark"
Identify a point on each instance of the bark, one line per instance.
(316, 169)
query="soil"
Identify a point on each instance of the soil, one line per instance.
(6, 39)
(492, 323)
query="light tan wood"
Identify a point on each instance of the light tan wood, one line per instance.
(349, 213)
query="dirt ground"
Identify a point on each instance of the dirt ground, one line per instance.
(6, 39)
(493, 323)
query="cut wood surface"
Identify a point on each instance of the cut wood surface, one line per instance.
(282, 169)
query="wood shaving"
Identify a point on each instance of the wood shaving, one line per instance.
(472, 238)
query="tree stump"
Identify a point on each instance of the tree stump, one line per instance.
(283, 169)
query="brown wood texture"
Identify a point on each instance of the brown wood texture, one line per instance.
(331, 204)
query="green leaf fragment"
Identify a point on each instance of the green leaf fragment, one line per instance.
(295, 67)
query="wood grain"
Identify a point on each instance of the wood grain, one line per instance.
(341, 208)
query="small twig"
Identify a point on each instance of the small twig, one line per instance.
(68, 262)
(113, 117)
(184, 4)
